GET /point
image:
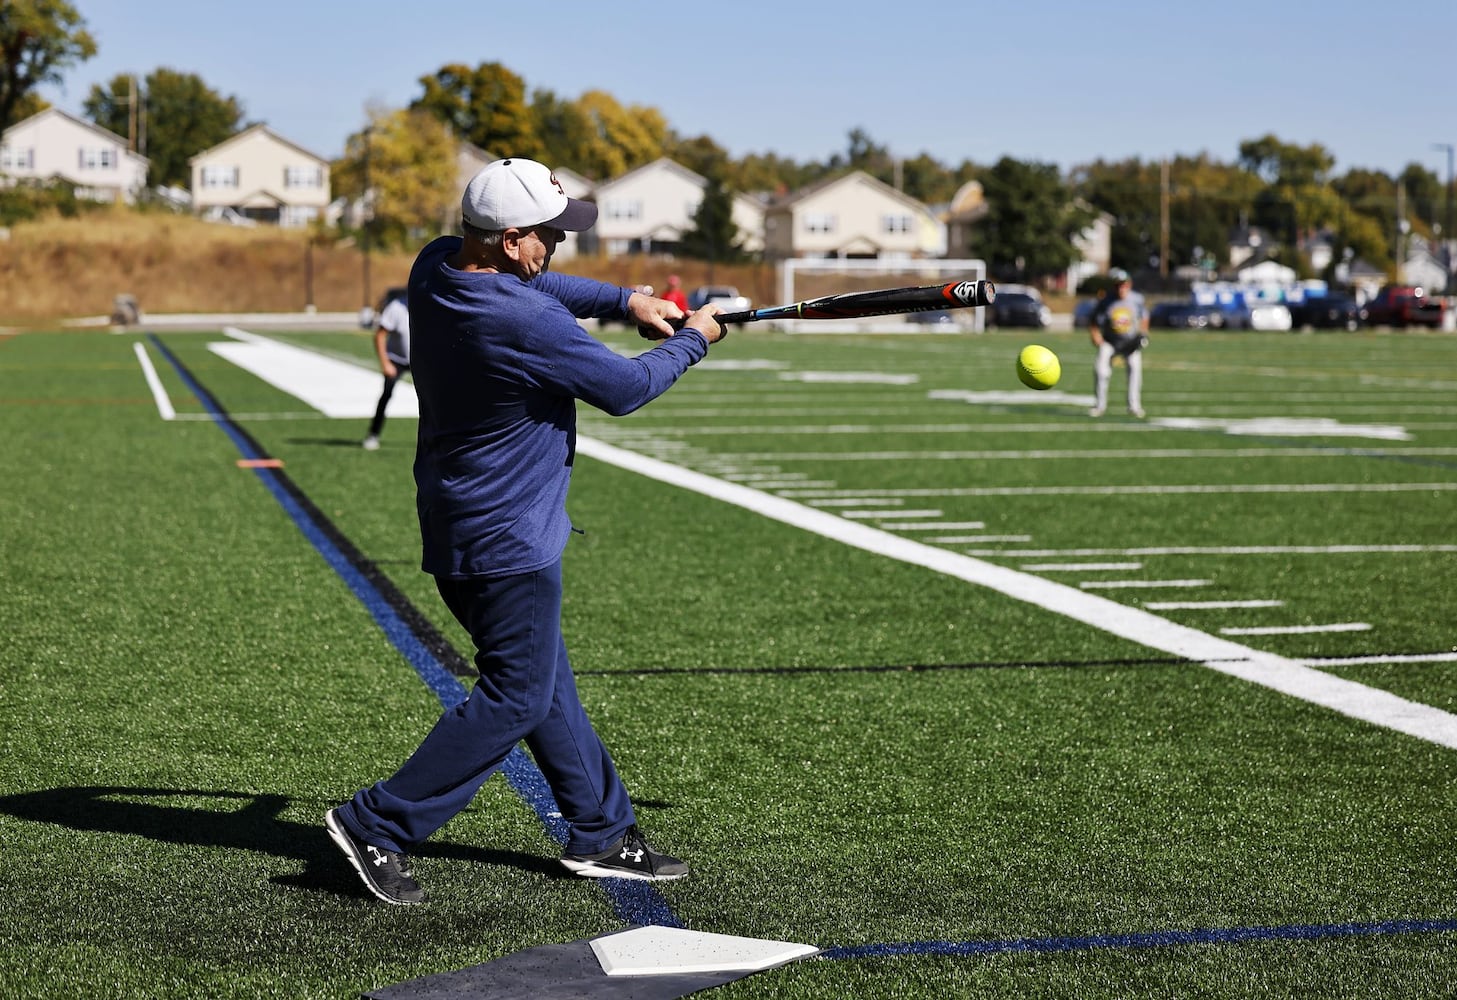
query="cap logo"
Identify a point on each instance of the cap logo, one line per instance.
(558, 184)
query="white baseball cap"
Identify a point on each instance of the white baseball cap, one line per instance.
(517, 193)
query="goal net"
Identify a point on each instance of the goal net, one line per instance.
(801, 279)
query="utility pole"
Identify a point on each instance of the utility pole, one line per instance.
(366, 217)
(1164, 218)
(1401, 228)
(1447, 234)
(131, 113)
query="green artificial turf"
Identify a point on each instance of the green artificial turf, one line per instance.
(851, 751)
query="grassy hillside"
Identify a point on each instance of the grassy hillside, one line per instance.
(61, 268)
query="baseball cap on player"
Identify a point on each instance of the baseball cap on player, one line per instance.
(1119, 275)
(517, 193)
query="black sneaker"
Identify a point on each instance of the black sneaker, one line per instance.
(630, 857)
(385, 873)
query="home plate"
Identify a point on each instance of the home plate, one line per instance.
(659, 951)
(641, 963)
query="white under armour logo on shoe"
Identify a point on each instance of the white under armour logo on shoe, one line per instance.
(636, 856)
(380, 857)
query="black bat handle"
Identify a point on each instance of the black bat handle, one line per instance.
(722, 318)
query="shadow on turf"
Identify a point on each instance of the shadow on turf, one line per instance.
(256, 826)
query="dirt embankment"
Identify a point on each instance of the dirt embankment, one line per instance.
(63, 269)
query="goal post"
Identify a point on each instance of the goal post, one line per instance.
(807, 278)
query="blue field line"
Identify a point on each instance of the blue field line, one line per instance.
(1152, 939)
(634, 901)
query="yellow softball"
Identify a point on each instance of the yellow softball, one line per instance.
(1038, 368)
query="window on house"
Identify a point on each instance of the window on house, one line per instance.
(17, 159)
(219, 177)
(895, 223)
(303, 177)
(97, 159)
(819, 222)
(623, 208)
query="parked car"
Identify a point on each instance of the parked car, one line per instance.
(1185, 316)
(1018, 305)
(726, 297)
(1402, 306)
(1254, 315)
(1327, 312)
(228, 215)
(1267, 316)
(933, 317)
(1083, 313)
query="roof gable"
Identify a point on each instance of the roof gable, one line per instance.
(661, 165)
(255, 130)
(856, 178)
(104, 134)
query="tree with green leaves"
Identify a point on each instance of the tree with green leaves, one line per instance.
(39, 39)
(701, 155)
(771, 173)
(1030, 222)
(409, 158)
(1128, 190)
(618, 138)
(182, 116)
(485, 106)
(563, 128)
(714, 236)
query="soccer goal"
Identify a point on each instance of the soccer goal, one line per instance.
(802, 278)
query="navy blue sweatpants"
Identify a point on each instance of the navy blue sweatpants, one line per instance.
(526, 691)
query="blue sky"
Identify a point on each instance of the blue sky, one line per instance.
(1054, 82)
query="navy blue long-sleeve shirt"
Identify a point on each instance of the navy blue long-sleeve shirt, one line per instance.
(498, 364)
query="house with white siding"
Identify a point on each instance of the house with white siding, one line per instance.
(259, 174)
(53, 144)
(853, 216)
(649, 209)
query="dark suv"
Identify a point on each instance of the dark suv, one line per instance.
(1327, 312)
(1018, 308)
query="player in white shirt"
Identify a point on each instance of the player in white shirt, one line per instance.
(392, 344)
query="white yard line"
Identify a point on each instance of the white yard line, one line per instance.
(1078, 567)
(159, 394)
(968, 539)
(932, 525)
(1140, 584)
(854, 502)
(1081, 454)
(1209, 605)
(333, 387)
(870, 515)
(1171, 490)
(1220, 550)
(1135, 624)
(1297, 629)
(1357, 661)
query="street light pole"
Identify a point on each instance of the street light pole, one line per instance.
(1447, 234)
(366, 216)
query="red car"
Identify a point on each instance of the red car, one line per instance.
(1403, 306)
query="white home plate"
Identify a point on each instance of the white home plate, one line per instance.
(661, 951)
